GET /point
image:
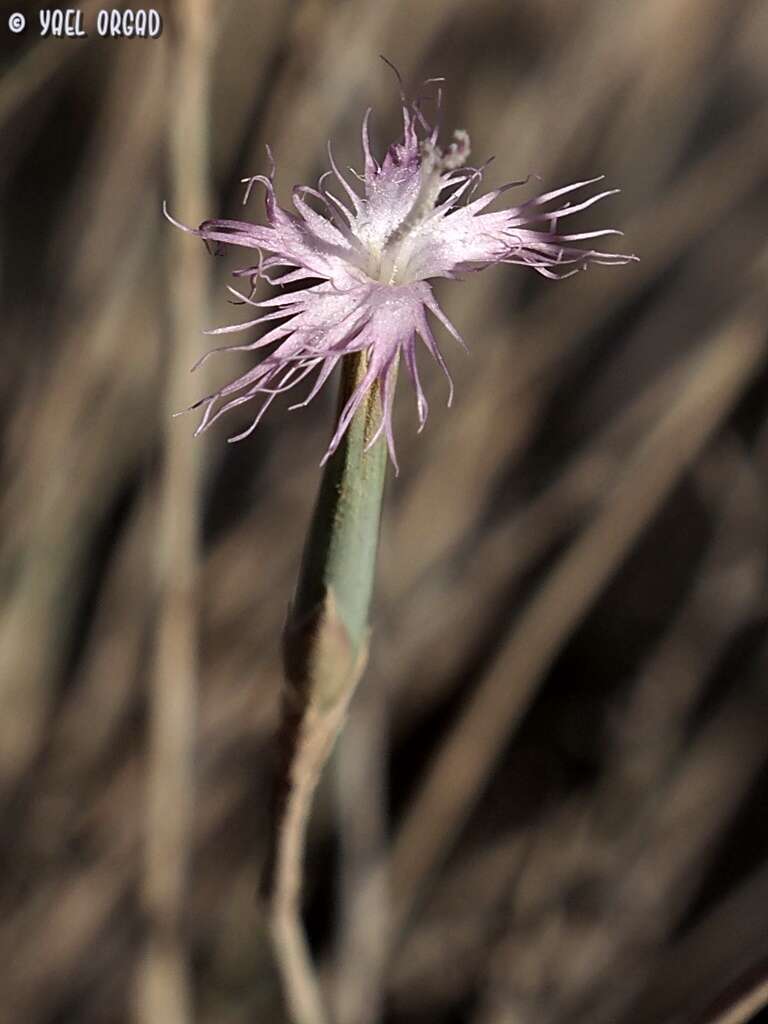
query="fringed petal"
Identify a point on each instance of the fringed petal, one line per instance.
(361, 264)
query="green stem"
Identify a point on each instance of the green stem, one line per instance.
(340, 552)
(339, 562)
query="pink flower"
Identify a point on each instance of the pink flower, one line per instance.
(366, 260)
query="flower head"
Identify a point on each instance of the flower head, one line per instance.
(364, 262)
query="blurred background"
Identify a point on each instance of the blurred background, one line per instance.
(549, 802)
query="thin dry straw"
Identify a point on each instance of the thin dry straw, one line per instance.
(745, 1006)
(364, 897)
(164, 990)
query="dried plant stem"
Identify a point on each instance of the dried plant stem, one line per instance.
(164, 990)
(360, 953)
(745, 1007)
(325, 652)
(308, 738)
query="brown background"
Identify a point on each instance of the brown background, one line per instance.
(559, 749)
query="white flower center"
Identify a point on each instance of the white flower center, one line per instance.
(390, 264)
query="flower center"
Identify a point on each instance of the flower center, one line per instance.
(393, 261)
